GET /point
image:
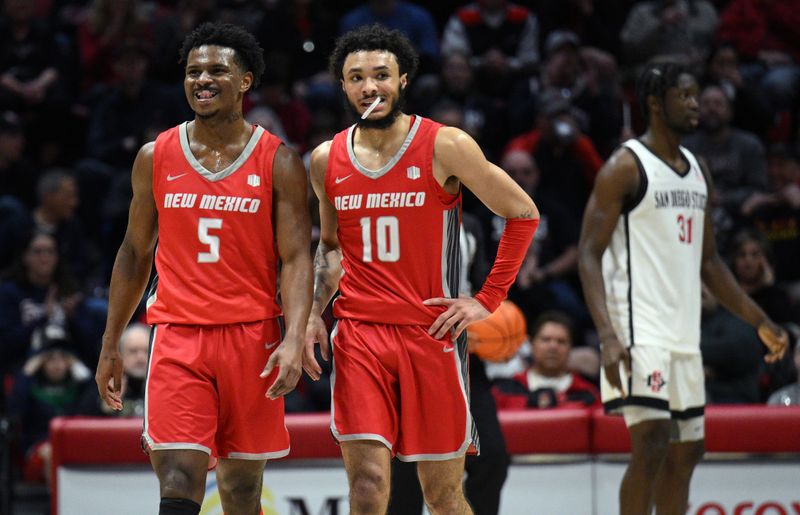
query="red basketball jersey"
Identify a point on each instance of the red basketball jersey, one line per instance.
(398, 231)
(216, 257)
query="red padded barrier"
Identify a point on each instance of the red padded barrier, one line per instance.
(749, 429)
(90, 441)
(752, 429)
(546, 431)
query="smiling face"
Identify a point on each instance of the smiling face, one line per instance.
(370, 74)
(214, 82)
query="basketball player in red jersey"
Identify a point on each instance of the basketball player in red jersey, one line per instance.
(389, 191)
(225, 200)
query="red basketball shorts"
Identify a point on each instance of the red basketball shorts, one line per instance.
(204, 391)
(398, 385)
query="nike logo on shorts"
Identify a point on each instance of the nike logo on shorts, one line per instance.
(342, 179)
(450, 348)
(171, 177)
(268, 346)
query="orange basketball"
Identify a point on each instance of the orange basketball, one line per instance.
(498, 337)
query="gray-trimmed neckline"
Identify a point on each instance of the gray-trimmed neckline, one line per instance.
(228, 170)
(374, 174)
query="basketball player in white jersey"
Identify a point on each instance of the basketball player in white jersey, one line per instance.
(646, 244)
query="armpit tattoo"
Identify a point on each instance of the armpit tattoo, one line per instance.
(526, 214)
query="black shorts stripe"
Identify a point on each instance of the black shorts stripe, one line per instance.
(649, 402)
(636, 400)
(688, 413)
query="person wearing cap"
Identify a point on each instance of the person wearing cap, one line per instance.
(588, 77)
(49, 385)
(567, 159)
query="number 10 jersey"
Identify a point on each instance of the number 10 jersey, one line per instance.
(398, 230)
(216, 257)
(652, 265)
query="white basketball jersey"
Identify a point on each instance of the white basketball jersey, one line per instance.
(652, 265)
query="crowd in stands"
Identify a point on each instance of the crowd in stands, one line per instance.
(544, 86)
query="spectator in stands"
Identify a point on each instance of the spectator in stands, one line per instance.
(49, 385)
(131, 111)
(735, 158)
(39, 293)
(682, 29)
(28, 58)
(171, 23)
(548, 383)
(303, 29)
(732, 355)
(276, 93)
(567, 159)
(789, 395)
(456, 84)
(135, 351)
(776, 214)
(17, 175)
(764, 32)
(752, 267)
(501, 40)
(57, 194)
(548, 276)
(410, 19)
(110, 25)
(750, 111)
(589, 79)
(596, 22)
(17, 186)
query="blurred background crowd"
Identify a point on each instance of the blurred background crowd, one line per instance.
(544, 86)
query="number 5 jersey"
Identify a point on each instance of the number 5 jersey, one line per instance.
(216, 257)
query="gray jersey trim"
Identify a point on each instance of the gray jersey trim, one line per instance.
(231, 168)
(374, 174)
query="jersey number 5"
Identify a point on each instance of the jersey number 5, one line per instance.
(685, 229)
(212, 256)
(387, 238)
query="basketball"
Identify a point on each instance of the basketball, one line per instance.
(498, 337)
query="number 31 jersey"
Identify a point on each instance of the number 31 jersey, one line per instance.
(398, 231)
(652, 265)
(216, 256)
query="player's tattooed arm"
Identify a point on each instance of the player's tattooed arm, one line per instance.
(327, 271)
(528, 214)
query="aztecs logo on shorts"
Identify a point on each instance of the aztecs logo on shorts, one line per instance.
(655, 381)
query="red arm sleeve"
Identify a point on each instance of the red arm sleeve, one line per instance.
(511, 251)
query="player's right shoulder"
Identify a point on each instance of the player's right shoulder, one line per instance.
(143, 164)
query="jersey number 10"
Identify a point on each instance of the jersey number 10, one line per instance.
(387, 239)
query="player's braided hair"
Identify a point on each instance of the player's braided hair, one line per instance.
(374, 37)
(655, 80)
(249, 54)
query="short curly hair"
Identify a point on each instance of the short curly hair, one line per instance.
(375, 37)
(249, 54)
